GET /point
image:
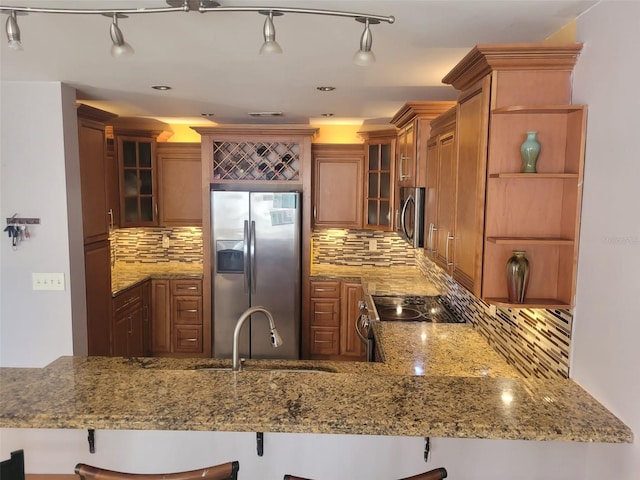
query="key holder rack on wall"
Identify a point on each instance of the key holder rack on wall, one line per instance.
(18, 229)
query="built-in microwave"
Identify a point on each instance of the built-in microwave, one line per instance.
(411, 219)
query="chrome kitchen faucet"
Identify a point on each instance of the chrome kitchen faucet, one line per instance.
(276, 340)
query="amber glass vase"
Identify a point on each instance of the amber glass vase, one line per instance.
(517, 276)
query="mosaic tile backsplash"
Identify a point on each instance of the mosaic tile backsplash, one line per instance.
(144, 245)
(353, 247)
(536, 342)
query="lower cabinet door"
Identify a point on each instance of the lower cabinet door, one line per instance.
(160, 317)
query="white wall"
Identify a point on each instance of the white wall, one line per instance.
(606, 355)
(35, 326)
(607, 325)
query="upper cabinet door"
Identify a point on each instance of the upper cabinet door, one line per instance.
(138, 196)
(379, 179)
(337, 185)
(180, 184)
(92, 150)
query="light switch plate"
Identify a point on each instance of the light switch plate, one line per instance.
(373, 245)
(165, 241)
(48, 281)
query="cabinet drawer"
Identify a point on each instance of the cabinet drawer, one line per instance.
(186, 287)
(325, 289)
(325, 312)
(187, 310)
(188, 339)
(127, 299)
(325, 341)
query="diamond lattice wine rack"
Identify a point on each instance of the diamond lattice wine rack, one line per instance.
(255, 161)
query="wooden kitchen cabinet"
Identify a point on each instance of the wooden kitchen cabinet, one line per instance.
(440, 191)
(333, 311)
(97, 270)
(138, 184)
(93, 166)
(337, 185)
(506, 91)
(379, 179)
(177, 322)
(351, 295)
(128, 329)
(135, 143)
(414, 129)
(179, 184)
(92, 146)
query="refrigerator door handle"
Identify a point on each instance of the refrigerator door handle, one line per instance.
(245, 252)
(252, 255)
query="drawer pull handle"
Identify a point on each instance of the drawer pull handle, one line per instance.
(188, 339)
(189, 310)
(325, 289)
(323, 341)
(323, 313)
(185, 287)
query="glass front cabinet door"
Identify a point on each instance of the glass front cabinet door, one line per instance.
(138, 196)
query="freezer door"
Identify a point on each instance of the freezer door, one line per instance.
(275, 269)
(229, 268)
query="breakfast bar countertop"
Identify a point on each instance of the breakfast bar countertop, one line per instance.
(437, 380)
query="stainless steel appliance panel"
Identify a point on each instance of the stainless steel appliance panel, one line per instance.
(275, 270)
(411, 225)
(256, 262)
(229, 214)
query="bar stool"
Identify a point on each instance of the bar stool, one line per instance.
(436, 474)
(224, 471)
(13, 468)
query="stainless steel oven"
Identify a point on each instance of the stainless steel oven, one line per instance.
(410, 224)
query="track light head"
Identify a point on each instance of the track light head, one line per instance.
(120, 47)
(270, 46)
(13, 32)
(364, 56)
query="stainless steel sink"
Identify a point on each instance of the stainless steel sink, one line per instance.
(272, 368)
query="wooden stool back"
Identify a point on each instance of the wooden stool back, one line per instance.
(225, 471)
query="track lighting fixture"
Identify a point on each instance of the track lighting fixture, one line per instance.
(13, 31)
(120, 47)
(364, 56)
(269, 32)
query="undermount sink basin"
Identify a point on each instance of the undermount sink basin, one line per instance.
(272, 368)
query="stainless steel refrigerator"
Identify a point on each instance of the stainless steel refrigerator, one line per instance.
(256, 262)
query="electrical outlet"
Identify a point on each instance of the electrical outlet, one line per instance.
(492, 310)
(165, 241)
(373, 245)
(48, 281)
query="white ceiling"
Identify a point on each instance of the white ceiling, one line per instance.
(211, 60)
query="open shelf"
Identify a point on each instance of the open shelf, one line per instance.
(561, 109)
(533, 176)
(529, 303)
(529, 241)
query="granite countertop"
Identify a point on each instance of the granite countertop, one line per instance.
(439, 380)
(171, 394)
(126, 275)
(379, 280)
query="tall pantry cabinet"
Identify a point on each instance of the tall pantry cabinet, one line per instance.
(506, 91)
(95, 220)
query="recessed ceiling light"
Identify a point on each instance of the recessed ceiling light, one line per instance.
(265, 114)
(327, 114)
(161, 87)
(325, 89)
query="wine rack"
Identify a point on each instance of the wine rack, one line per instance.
(252, 161)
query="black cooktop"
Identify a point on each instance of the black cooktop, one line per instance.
(414, 308)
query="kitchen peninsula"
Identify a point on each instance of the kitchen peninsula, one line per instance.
(428, 385)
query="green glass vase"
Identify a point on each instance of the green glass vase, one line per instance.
(529, 150)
